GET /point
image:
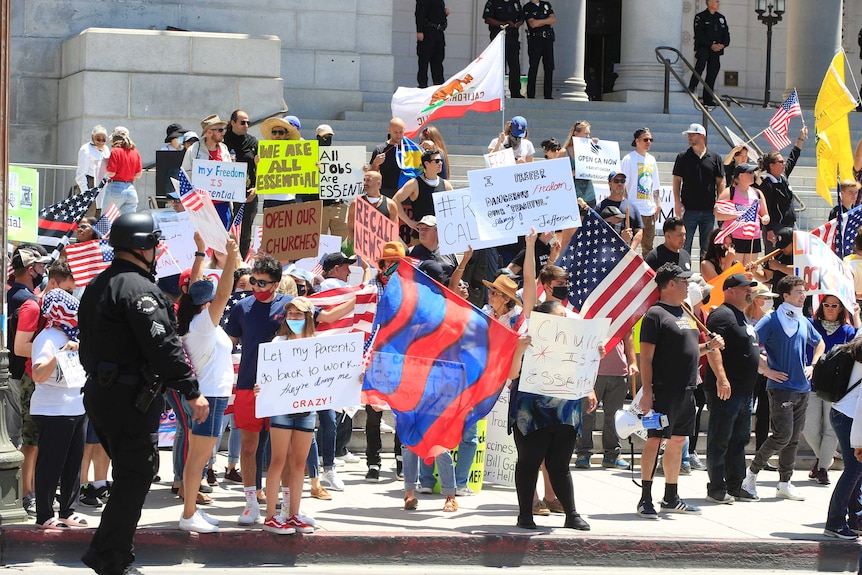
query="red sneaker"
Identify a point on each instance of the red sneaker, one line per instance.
(275, 525)
(298, 524)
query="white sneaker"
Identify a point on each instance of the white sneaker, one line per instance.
(749, 484)
(425, 490)
(464, 492)
(307, 519)
(351, 458)
(338, 461)
(386, 428)
(207, 517)
(250, 515)
(332, 480)
(197, 523)
(787, 490)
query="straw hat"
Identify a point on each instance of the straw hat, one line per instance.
(505, 286)
(289, 123)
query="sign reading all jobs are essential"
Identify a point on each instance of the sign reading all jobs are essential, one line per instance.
(341, 171)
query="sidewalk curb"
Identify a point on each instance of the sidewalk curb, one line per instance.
(256, 547)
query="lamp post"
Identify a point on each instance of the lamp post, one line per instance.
(769, 12)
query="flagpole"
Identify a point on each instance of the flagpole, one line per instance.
(503, 79)
(754, 137)
(801, 117)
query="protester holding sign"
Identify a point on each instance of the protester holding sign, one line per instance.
(211, 147)
(371, 185)
(584, 188)
(514, 136)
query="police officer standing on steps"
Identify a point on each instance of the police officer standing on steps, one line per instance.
(711, 37)
(508, 13)
(430, 41)
(540, 20)
(130, 350)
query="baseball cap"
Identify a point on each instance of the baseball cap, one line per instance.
(745, 168)
(325, 129)
(429, 220)
(612, 212)
(638, 133)
(293, 121)
(202, 291)
(336, 259)
(24, 258)
(393, 251)
(666, 273)
(738, 280)
(613, 175)
(784, 238)
(762, 290)
(302, 304)
(518, 126)
(695, 129)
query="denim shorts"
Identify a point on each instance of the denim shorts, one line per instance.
(297, 421)
(211, 427)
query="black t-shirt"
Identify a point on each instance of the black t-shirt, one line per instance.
(660, 255)
(677, 351)
(698, 178)
(543, 254)
(389, 169)
(740, 355)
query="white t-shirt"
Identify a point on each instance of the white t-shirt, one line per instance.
(641, 181)
(331, 283)
(53, 396)
(524, 149)
(209, 349)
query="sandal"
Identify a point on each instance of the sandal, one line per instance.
(451, 505)
(203, 499)
(53, 523)
(75, 520)
(410, 503)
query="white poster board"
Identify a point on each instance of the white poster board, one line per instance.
(309, 374)
(500, 451)
(328, 244)
(340, 171)
(457, 226)
(821, 270)
(225, 181)
(206, 221)
(71, 368)
(563, 358)
(505, 157)
(179, 235)
(595, 160)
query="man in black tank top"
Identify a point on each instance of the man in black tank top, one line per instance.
(419, 190)
(371, 185)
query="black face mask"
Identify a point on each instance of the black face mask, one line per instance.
(324, 140)
(37, 278)
(560, 292)
(301, 289)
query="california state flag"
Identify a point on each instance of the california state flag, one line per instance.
(478, 87)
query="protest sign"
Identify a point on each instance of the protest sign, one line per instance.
(475, 477)
(287, 167)
(292, 232)
(341, 171)
(71, 368)
(595, 160)
(563, 358)
(507, 201)
(178, 235)
(500, 451)
(327, 245)
(457, 226)
(308, 374)
(224, 181)
(505, 157)
(372, 230)
(821, 270)
(23, 204)
(206, 220)
(214, 275)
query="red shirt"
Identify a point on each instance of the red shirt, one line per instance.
(124, 164)
(30, 319)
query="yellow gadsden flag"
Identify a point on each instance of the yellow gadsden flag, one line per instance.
(834, 150)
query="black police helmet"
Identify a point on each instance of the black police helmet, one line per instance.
(136, 231)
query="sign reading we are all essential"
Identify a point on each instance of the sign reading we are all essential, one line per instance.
(373, 229)
(292, 232)
(223, 181)
(341, 171)
(287, 167)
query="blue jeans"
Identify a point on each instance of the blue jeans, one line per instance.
(326, 436)
(445, 468)
(312, 460)
(466, 453)
(726, 437)
(123, 195)
(698, 220)
(846, 498)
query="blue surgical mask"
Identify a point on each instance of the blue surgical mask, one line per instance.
(295, 325)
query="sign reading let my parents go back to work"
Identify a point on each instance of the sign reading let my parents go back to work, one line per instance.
(287, 167)
(506, 202)
(308, 374)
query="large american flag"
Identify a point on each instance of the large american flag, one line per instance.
(235, 227)
(362, 317)
(776, 133)
(606, 278)
(58, 220)
(88, 259)
(839, 233)
(747, 220)
(189, 196)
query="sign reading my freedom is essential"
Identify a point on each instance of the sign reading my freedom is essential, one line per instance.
(23, 204)
(341, 171)
(595, 160)
(373, 229)
(308, 374)
(292, 232)
(563, 358)
(287, 167)
(224, 181)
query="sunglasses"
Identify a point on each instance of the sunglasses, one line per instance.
(619, 180)
(831, 305)
(244, 122)
(103, 140)
(648, 140)
(261, 283)
(217, 129)
(279, 132)
(437, 160)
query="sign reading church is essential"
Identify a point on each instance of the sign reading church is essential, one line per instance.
(292, 231)
(287, 167)
(341, 171)
(223, 181)
(373, 229)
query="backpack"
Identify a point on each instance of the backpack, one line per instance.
(831, 379)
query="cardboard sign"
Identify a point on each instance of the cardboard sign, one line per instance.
(373, 229)
(23, 204)
(821, 270)
(224, 181)
(308, 374)
(500, 451)
(341, 171)
(595, 161)
(505, 157)
(292, 232)
(287, 167)
(563, 358)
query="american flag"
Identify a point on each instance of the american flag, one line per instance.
(840, 233)
(727, 208)
(234, 299)
(606, 278)
(747, 221)
(58, 220)
(362, 317)
(104, 223)
(88, 259)
(236, 227)
(189, 196)
(777, 131)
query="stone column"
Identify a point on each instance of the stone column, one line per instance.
(813, 38)
(571, 29)
(645, 26)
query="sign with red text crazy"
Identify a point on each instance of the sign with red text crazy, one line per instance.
(223, 181)
(563, 358)
(308, 374)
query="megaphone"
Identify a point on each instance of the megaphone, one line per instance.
(627, 422)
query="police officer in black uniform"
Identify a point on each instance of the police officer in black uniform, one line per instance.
(508, 13)
(430, 40)
(130, 350)
(711, 37)
(540, 19)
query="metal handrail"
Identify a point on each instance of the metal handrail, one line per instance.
(668, 70)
